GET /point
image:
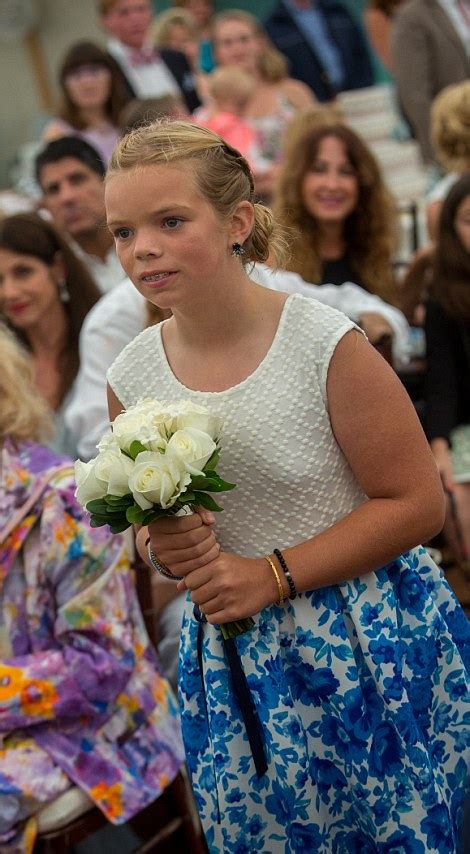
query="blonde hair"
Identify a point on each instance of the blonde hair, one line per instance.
(450, 127)
(223, 176)
(24, 415)
(162, 26)
(272, 64)
(230, 83)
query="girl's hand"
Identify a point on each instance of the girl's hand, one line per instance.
(232, 587)
(443, 459)
(184, 543)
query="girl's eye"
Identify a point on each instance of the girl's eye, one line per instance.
(22, 272)
(172, 222)
(122, 233)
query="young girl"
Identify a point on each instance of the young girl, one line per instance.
(351, 736)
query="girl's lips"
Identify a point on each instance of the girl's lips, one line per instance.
(17, 308)
(159, 282)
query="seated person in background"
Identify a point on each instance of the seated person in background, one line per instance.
(324, 44)
(93, 96)
(176, 29)
(82, 701)
(430, 50)
(45, 295)
(149, 73)
(332, 198)
(240, 40)
(141, 111)
(70, 174)
(447, 328)
(450, 135)
(202, 12)
(229, 91)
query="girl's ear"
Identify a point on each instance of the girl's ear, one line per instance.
(58, 267)
(241, 222)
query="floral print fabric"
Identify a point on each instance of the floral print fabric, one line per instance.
(362, 692)
(82, 700)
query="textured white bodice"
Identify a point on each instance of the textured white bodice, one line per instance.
(292, 478)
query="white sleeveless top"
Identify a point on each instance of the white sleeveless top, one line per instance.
(293, 480)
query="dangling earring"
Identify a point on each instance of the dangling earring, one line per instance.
(64, 295)
(237, 250)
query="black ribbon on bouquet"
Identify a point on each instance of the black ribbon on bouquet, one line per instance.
(243, 696)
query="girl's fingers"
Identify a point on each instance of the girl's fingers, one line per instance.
(185, 567)
(178, 524)
(168, 544)
(207, 517)
(174, 556)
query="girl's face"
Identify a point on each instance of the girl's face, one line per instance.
(330, 189)
(462, 223)
(28, 289)
(170, 241)
(88, 86)
(236, 43)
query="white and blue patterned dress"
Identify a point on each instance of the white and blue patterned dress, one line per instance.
(361, 687)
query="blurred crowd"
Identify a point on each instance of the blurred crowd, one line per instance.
(357, 131)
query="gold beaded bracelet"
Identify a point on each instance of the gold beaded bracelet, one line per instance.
(282, 595)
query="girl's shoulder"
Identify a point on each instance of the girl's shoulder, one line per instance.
(129, 365)
(316, 328)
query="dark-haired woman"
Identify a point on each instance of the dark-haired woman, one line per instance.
(45, 295)
(93, 96)
(332, 198)
(448, 350)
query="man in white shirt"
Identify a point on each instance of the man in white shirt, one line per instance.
(148, 73)
(70, 173)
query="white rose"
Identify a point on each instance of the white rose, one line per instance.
(187, 414)
(88, 486)
(146, 426)
(108, 442)
(193, 447)
(157, 479)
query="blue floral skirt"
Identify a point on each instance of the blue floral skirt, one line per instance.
(362, 693)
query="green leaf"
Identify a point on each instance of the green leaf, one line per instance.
(119, 500)
(97, 506)
(98, 521)
(184, 498)
(136, 448)
(153, 515)
(205, 500)
(212, 462)
(134, 515)
(118, 527)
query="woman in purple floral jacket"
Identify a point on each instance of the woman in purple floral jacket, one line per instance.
(82, 701)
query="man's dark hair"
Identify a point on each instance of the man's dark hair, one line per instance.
(69, 146)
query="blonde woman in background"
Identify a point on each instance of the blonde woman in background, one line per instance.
(450, 137)
(239, 40)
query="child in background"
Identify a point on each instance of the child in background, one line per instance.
(230, 90)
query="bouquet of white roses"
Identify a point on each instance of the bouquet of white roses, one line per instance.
(159, 459)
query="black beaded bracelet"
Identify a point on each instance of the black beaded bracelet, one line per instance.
(285, 569)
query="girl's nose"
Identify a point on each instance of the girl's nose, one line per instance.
(146, 245)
